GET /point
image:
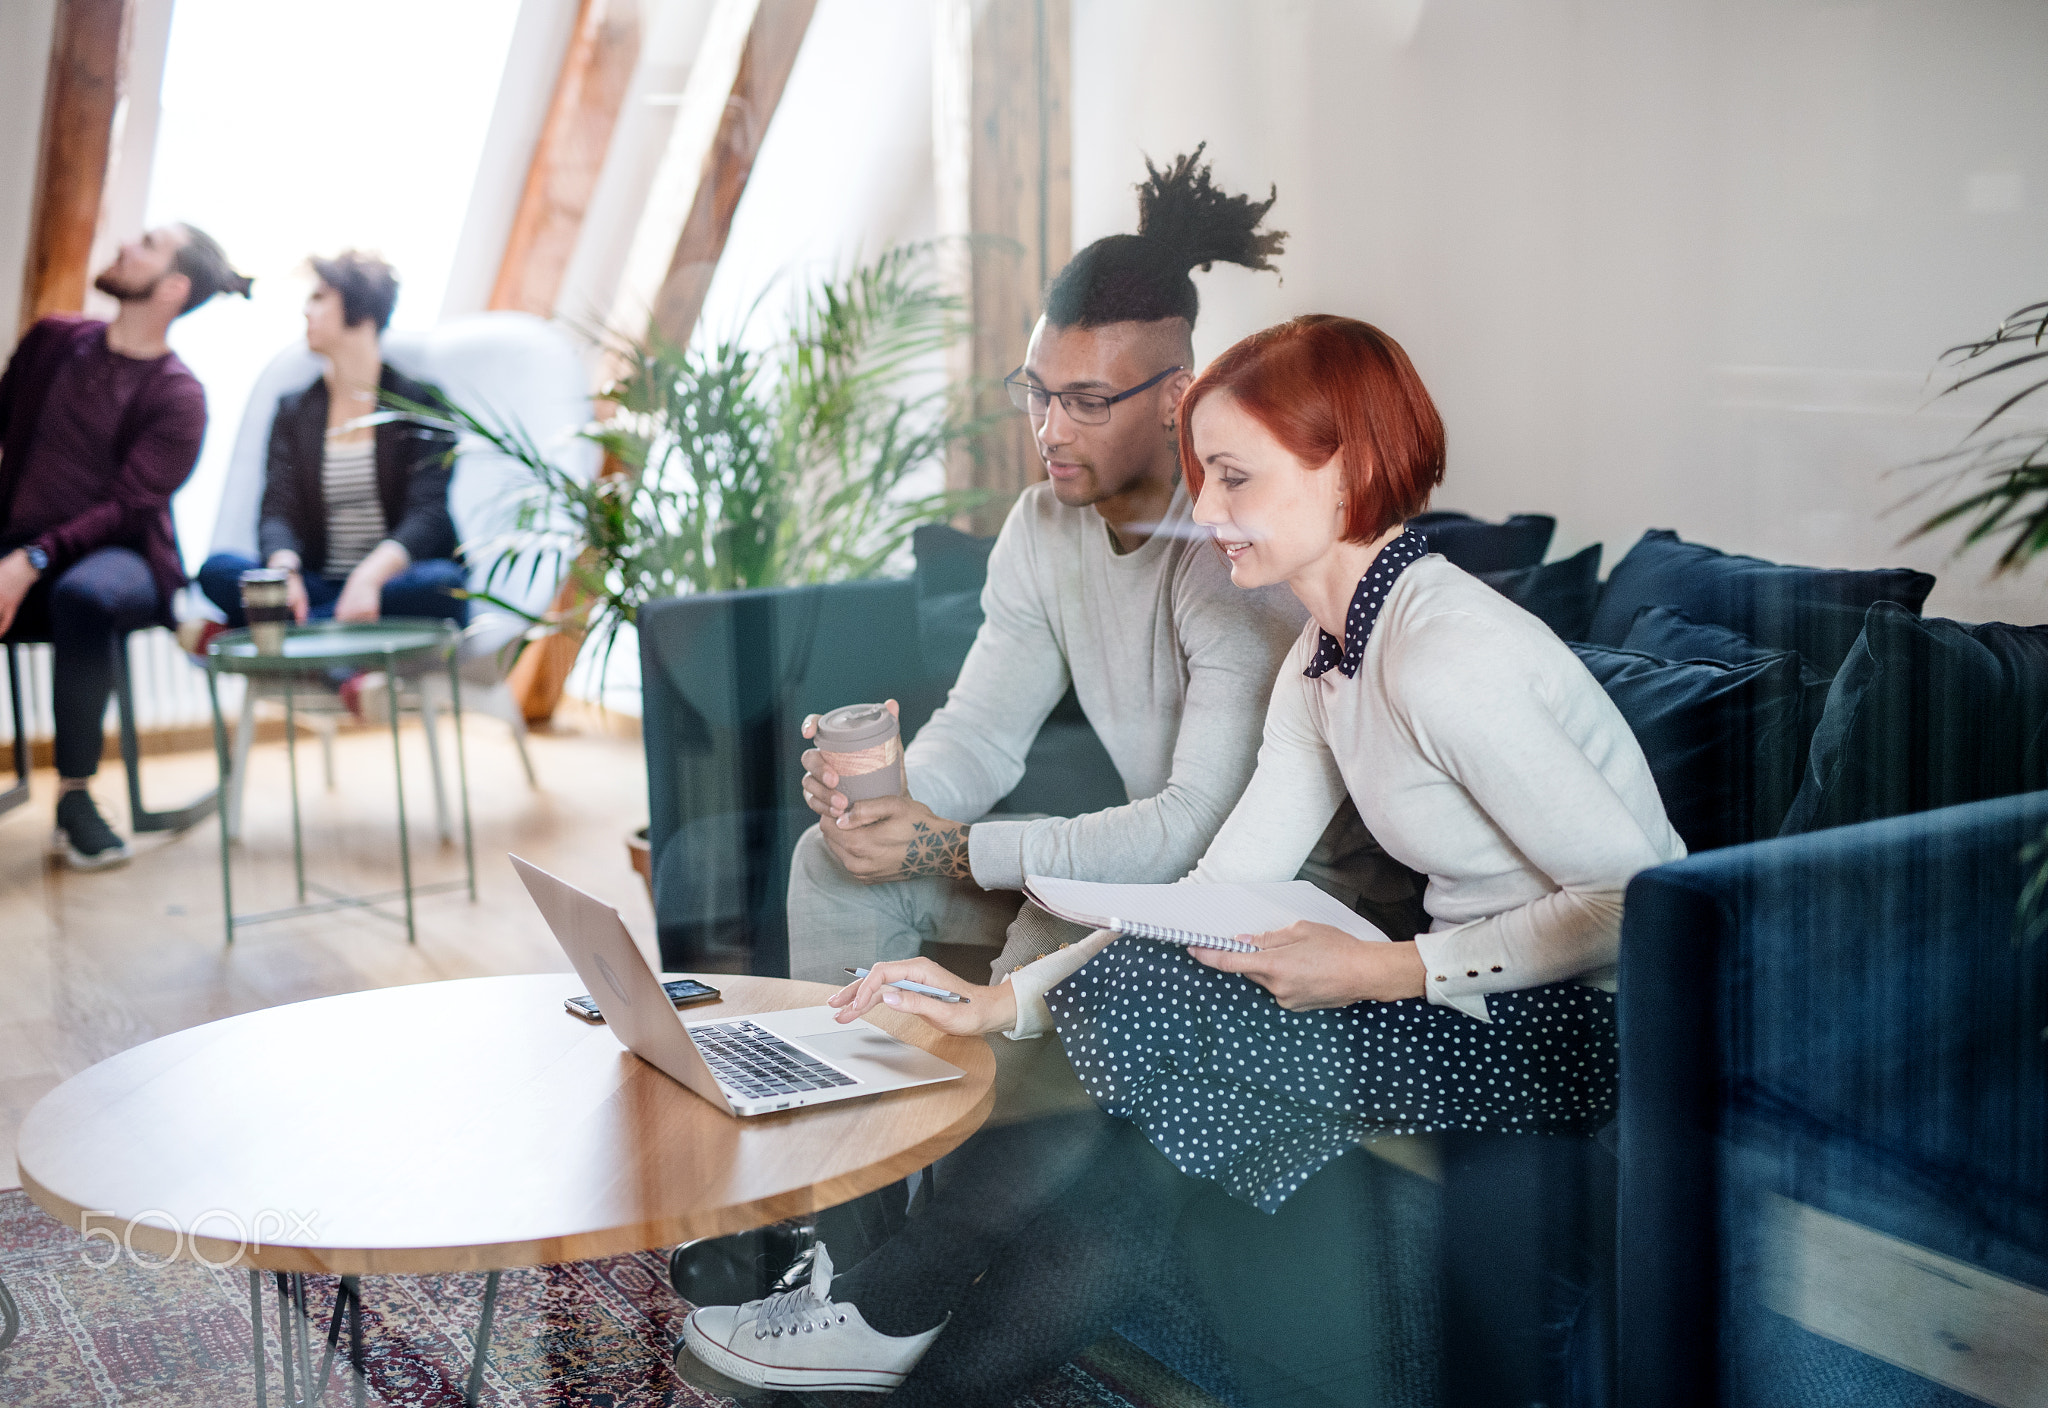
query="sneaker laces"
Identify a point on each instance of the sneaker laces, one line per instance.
(807, 1308)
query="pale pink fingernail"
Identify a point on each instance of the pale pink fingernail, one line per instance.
(892, 997)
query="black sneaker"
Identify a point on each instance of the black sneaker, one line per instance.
(83, 838)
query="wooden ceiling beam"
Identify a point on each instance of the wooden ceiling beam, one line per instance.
(1003, 158)
(774, 37)
(569, 156)
(84, 88)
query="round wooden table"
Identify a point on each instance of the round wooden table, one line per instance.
(473, 1125)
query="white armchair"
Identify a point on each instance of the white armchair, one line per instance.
(510, 367)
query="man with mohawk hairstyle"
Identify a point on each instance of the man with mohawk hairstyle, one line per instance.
(1042, 1228)
(1099, 579)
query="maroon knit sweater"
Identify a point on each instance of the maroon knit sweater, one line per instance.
(122, 497)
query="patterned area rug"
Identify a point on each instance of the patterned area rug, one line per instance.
(101, 1329)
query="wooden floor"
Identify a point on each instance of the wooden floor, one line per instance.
(91, 964)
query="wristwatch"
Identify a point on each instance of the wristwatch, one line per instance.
(37, 559)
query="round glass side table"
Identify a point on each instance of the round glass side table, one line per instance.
(395, 645)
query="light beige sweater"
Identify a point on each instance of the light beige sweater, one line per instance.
(1481, 753)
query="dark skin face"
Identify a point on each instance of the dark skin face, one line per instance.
(1126, 469)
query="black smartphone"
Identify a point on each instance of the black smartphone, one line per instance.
(682, 992)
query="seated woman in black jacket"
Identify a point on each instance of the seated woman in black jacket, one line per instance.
(356, 512)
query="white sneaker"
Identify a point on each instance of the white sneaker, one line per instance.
(802, 1339)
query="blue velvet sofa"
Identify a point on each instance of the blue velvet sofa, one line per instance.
(1844, 1022)
(1770, 700)
(727, 680)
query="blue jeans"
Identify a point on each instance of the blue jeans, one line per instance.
(423, 589)
(85, 611)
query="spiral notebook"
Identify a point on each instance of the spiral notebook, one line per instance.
(1196, 916)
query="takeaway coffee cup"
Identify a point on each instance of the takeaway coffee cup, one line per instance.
(861, 742)
(267, 603)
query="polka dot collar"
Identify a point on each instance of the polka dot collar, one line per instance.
(1366, 602)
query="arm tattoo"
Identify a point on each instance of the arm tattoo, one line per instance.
(937, 848)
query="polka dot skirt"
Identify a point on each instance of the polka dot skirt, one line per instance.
(1231, 1087)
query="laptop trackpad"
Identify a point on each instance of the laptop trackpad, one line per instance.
(868, 1054)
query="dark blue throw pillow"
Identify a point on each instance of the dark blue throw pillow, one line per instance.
(1670, 634)
(1479, 546)
(1721, 740)
(1559, 594)
(1777, 606)
(1926, 714)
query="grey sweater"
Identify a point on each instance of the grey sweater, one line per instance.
(1172, 664)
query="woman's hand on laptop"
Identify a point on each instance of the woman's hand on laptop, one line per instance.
(990, 1009)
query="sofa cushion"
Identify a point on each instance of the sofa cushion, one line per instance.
(951, 567)
(1722, 741)
(1479, 546)
(1559, 594)
(1670, 634)
(1779, 607)
(1926, 714)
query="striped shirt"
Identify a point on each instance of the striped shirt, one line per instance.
(355, 515)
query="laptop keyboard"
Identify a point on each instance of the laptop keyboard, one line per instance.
(754, 1063)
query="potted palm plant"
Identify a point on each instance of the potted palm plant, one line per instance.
(807, 455)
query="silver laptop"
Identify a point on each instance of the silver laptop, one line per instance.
(748, 1065)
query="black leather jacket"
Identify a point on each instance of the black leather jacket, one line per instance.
(414, 462)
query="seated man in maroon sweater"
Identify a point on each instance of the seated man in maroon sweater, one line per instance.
(100, 424)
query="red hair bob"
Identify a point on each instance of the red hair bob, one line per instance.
(1323, 385)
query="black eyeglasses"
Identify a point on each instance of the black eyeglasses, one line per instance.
(1083, 407)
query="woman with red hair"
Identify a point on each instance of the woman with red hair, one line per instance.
(1479, 752)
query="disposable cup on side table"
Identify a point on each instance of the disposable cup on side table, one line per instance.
(267, 603)
(863, 744)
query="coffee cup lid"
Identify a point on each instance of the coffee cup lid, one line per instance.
(856, 726)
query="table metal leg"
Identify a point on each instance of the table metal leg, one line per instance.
(341, 1297)
(227, 889)
(483, 1343)
(355, 1340)
(10, 1317)
(285, 1337)
(256, 1304)
(462, 771)
(302, 1325)
(291, 763)
(14, 796)
(398, 772)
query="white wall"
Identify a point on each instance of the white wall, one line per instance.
(25, 27)
(1662, 263)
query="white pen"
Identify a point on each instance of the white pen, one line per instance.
(940, 993)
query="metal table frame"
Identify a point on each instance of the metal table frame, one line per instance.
(232, 651)
(294, 1340)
